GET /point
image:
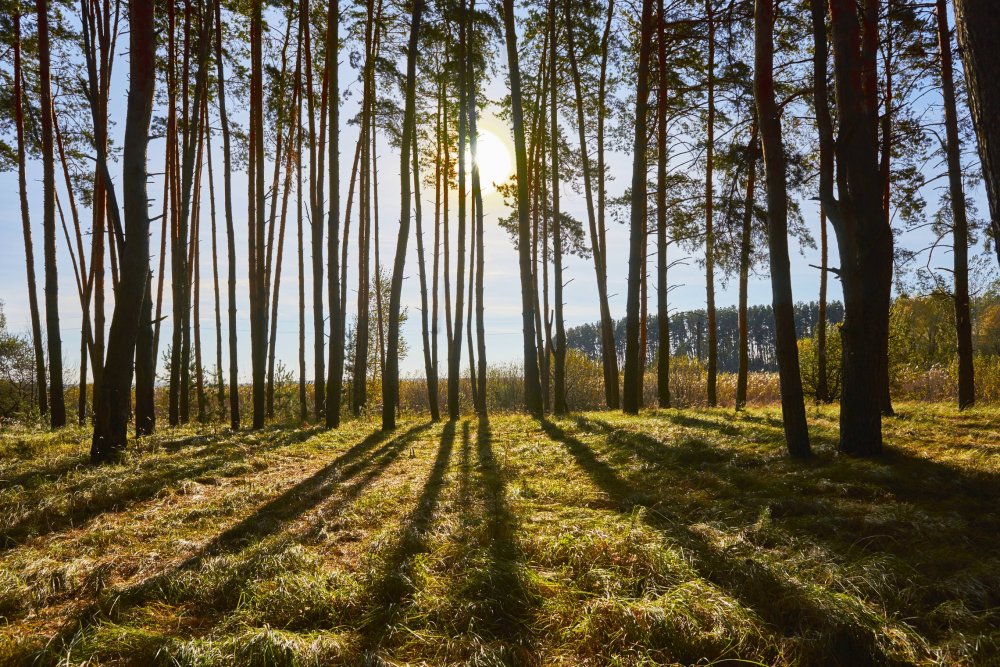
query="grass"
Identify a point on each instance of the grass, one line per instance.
(676, 537)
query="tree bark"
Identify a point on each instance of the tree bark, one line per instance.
(29, 252)
(234, 393)
(57, 413)
(258, 302)
(114, 399)
(477, 196)
(608, 356)
(634, 355)
(336, 365)
(977, 24)
(745, 241)
(863, 236)
(793, 409)
(532, 386)
(662, 312)
(713, 341)
(390, 381)
(959, 221)
(559, 349)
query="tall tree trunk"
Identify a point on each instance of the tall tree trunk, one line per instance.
(477, 197)
(713, 342)
(862, 233)
(220, 383)
(959, 221)
(745, 241)
(57, 415)
(793, 409)
(234, 393)
(532, 386)
(316, 223)
(336, 365)
(455, 352)
(634, 354)
(390, 381)
(360, 379)
(29, 252)
(609, 349)
(662, 311)
(112, 409)
(430, 364)
(559, 349)
(258, 303)
(977, 25)
(608, 356)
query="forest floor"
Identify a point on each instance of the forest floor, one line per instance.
(680, 536)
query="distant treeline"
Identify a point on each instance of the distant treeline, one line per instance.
(689, 338)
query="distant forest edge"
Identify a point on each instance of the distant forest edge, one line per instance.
(689, 335)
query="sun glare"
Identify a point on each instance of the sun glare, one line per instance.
(493, 158)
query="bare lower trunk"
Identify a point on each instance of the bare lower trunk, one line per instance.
(634, 354)
(57, 414)
(959, 220)
(390, 381)
(532, 387)
(748, 204)
(769, 118)
(234, 394)
(29, 252)
(112, 410)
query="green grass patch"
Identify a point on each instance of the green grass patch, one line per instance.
(675, 537)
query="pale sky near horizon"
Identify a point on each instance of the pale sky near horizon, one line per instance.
(501, 283)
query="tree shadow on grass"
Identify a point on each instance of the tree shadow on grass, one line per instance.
(141, 479)
(509, 600)
(393, 586)
(269, 519)
(784, 604)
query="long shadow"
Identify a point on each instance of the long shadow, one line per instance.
(510, 601)
(267, 520)
(149, 480)
(753, 585)
(393, 587)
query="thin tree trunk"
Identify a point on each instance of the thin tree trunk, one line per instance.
(390, 380)
(609, 349)
(455, 352)
(220, 384)
(769, 118)
(112, 410)
(959, 221)
(57, 415)
(633, 351)
(745, 240)
(430, 369)
(234, 393)
(337, 311)
(258, 303)
(559, 348)
(477, 197)
(608, 356)
(662, 311)
(822, 383)
(713, 342)
(360, 379)
(29, 252)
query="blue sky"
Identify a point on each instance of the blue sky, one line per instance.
(502, 297)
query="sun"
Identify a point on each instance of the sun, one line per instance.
(493, 158)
